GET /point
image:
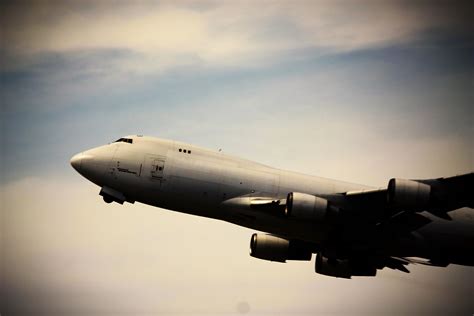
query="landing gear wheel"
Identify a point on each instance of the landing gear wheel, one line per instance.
(108, 199)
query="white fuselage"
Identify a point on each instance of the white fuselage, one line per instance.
(194, 180)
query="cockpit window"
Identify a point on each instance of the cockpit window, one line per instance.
(125, 140)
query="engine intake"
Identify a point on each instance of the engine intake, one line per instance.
(408, 193)
(308, 207)
(273, 248)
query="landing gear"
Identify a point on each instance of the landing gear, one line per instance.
(108, 199)
(110, 195)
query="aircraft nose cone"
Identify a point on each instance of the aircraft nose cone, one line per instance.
(76, 161)
(83, 162)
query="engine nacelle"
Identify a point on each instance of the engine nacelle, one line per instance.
(343, 268)
(308, 207)
(273, 248)
(408, 193)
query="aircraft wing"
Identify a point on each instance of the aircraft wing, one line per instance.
(437, 196)
(375, 206)
(373, 229)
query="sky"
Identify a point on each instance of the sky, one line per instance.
(361, 91)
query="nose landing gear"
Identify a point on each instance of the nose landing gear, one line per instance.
(108, 199)
(110, 195)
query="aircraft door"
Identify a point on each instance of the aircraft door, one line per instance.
(157, 168)
(154, 169)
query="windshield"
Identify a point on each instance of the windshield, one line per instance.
(125, 140)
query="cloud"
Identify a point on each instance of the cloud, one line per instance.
(161, 36)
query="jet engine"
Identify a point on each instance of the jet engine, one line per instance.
(273, 248)
(308, 207)
(343, 268)
(408, 193)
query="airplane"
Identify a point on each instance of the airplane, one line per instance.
(354, 230)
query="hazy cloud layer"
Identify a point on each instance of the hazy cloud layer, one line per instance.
(161, 36)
